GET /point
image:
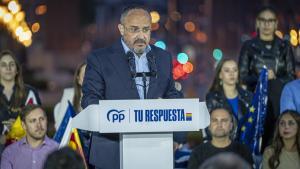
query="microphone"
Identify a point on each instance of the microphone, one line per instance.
(152, 64)
(131, 62)
(152, 67)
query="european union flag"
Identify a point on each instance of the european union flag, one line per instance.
(252, 128)
(70, 113)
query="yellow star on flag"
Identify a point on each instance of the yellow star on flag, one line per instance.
(243, 128)
(250, 120)
(252, 109)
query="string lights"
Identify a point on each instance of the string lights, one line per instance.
(13, 18)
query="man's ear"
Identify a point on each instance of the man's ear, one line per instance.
(121, 29)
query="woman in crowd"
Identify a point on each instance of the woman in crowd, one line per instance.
(267, 50)
(74, 96)
(14, 94)
(285, 150)
(70, 94)
(226, 91)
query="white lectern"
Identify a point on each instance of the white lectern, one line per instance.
(145, 127)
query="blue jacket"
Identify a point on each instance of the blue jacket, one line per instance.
(290, 96)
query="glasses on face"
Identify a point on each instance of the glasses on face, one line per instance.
(288, 123)
(267, 21)
(136, 29)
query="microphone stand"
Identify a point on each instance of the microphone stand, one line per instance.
(144, 76)
(144, 79)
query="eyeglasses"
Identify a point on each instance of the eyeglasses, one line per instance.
(267, 21)
(135, 29)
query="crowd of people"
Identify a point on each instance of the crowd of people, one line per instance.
(111, 74)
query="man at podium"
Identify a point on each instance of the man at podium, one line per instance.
(129, 69)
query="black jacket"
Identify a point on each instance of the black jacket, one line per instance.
(254, 55)
(217, 99)
(6, 112)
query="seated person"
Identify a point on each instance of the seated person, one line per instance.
(31, 151)
(65, 158)
(225, 161)
(290, 99)
(221, 127)
(285, 150)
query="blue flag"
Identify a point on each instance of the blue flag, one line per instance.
(70, 113)
(252, 129)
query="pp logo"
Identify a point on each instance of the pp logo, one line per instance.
(115, 115)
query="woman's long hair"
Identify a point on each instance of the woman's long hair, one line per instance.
(19, 96)
(216, 85)
(77, 88)
(278, 143)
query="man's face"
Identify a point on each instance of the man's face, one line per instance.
(35, 124)
(136, 30)
(220, 123)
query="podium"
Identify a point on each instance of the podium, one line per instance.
(146, 127)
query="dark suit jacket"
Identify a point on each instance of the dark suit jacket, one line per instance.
(108, 77)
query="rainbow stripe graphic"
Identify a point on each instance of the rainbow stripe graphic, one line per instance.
(188, 116)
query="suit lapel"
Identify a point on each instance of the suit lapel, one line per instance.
(120, 63)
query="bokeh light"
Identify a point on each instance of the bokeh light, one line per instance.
(161, 44)
(182, 58)
(190, 26)
(35, 27)
(293, 32)
(7, 17)
(41, 10)
(178, 71)
(201, 37)
(14, 7)
(155, 16)
(154, 26)
(175, 16)
(217, 54)
(294, 41)
(190, 51)
(188, 67)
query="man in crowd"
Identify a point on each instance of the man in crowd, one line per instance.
(116, 73)
(32, 150)
(221, 128)
(290, 99)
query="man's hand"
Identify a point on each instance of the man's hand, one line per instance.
(271, 74)
(9, 123)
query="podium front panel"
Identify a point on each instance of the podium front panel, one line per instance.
(159, 115)
(146, 151)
